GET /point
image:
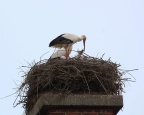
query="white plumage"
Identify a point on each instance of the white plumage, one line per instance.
(66, 41)
(73, 37)
(61, 53)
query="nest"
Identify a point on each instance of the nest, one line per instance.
(85, 75)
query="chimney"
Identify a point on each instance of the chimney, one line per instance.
(77, 104)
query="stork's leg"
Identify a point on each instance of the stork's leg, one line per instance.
(66, 53)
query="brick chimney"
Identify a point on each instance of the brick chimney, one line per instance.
(77, 104)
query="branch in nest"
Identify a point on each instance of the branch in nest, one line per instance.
(80, 53)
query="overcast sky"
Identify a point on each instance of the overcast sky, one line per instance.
(113, 27)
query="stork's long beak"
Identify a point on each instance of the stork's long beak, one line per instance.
(84, 43)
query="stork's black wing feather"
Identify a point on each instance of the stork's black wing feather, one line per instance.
(60, 40)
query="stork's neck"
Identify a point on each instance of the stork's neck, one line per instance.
(80, 38)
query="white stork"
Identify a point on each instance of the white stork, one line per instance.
(61, 53)
(66, 41)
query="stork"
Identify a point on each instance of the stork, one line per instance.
(66, 41)
(61, 53)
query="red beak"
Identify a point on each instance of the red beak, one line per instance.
(84, 43)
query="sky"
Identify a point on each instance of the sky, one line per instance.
(113, 27)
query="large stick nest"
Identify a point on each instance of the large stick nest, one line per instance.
(87, 75)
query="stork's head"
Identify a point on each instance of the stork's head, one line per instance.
(84, 39)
